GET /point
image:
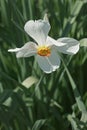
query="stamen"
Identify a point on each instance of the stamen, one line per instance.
(43, 51)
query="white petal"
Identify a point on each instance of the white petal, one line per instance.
(68, 45)
(29, 49)
(50, 41)
(14, 50)
(38, 30)
(49, 64)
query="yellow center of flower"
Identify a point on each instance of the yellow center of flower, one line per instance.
(43, 51)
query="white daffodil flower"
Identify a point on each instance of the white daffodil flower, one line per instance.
(45, 47)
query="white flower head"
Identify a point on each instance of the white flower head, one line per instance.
(43, 48)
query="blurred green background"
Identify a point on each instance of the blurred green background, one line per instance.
(30, 99)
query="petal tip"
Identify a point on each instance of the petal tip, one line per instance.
(10, 50)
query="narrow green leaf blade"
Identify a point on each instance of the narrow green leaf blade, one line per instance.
(38, 124)
(28, 82)
(83, 42)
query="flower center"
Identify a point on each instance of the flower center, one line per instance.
(43, 51)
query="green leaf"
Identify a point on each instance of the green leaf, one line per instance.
(75, 11)
(83, 42)
(3, 9)
(84, 117)
(29, 81)
(46, 17)
(5, 95)
(8, 102)
(78, 98)
(73, 123)
(38, 124)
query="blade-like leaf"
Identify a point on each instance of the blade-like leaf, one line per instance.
(78, 98)
(38, 124)
(83, 42)
(29, 81)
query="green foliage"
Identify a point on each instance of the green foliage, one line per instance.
(30, 99)
(83, 42)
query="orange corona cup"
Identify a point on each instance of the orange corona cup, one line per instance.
(43, 51)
